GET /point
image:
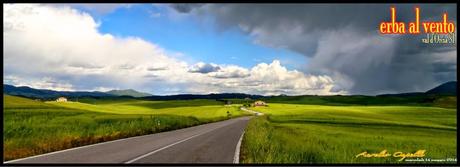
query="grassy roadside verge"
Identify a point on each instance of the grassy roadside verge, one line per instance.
(311, 134)
(32, 128)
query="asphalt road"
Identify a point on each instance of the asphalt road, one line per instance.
(208, 143)
(251, 111)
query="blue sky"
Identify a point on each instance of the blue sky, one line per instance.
(268, 49)
(198, 39)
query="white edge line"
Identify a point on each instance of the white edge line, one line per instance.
(236, 158)
(75, 148)
(165, 147)
(107, 142)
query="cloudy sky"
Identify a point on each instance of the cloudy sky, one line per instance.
(215, 48)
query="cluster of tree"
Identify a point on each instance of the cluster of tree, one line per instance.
(247, 105)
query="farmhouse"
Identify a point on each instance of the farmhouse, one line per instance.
(61, 99)
(260, 103)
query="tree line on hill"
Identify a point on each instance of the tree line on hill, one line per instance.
(428, 97)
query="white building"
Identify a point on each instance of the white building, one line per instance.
(61, 99)
(260, 103)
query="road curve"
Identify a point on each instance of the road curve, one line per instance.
(252, 111)
(208, 143)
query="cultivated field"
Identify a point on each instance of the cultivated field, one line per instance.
(295, 133)
(333, 132)
(34, 127)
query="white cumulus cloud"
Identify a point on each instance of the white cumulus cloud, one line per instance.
(58, 47)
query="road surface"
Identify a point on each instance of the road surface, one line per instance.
(208, 143)
(252, 111)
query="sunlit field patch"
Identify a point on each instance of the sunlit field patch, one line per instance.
(294, 133)
(34, 127)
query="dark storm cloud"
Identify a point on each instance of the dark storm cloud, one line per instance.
(157, 68)
(444, 67)
(226, 76)
(185, 8)
(235, 74)
(318, 16)
(343, 41)
(204, 68)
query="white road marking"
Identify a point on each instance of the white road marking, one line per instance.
(165, 147)
(236, 158)
(75, 148)
(91, 145)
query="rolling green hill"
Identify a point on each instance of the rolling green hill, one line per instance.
(35, 127)
(128, 92)
(338, 100)
(293, 133)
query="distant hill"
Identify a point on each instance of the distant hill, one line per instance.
(448, 88)
(206, 96)
(128, 92)
(445, 88)
(403, 94)
(29, 92)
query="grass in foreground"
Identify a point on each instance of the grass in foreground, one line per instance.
(336, 134)
(32, 127)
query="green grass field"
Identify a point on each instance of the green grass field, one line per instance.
(295, 133)
(445, 101)
(33, 127)
(288, 133)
